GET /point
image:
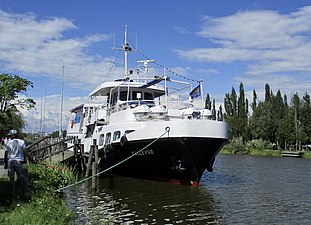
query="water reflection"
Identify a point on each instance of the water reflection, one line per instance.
(128, 200)
(241, 190)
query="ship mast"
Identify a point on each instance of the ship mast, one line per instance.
(126, 48)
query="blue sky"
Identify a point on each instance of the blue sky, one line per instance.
(223, 42)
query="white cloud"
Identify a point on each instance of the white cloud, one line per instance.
(259, 29)
(37, 47)
(276, 47)
(46, 115)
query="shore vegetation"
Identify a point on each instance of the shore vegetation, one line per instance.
(39, 204)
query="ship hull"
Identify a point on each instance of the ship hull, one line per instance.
(182, 160)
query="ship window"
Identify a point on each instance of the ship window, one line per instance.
(148, 96)
(101, 139)
(108, 138)
(89, 131)
(116, 135)
(123, 95)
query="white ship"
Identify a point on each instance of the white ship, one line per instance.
(126, 115)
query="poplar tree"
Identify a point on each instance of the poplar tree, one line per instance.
(208, 104)
(236, 113)
(306, 117)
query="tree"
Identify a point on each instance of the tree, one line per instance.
(208, 104)
(305, 118)
(242, 113)
(214, 110)
(236, 113)
(301, 116)
(254, 104)
(220, 116)
(10, 87)
(267, 114)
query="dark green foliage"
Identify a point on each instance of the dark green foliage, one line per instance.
(51, 176)
(41, 206)
(211, 105)
(272, 120)
(45, 209)
(11, 86)
(220, 116)
(235, 146)
(236, 114)
(208, 104)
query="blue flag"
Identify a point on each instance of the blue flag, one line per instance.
(196, 92)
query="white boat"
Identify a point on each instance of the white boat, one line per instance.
(138, 110)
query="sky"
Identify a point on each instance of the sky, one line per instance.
(222, 42)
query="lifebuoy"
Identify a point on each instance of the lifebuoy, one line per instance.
(123, 140)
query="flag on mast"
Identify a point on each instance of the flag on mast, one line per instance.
(196, 92)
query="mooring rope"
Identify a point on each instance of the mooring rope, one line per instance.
(167, 130)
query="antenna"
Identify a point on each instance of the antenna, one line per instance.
(61, 105)
(114, 40)
(126, 48)
(146, 63)
(136, 42)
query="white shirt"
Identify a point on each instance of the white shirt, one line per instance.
(15, 149)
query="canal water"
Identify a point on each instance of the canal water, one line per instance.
(241, 190)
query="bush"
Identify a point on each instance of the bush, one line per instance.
(235, 146)
(50, 176)
(41, 205)
(258, 144)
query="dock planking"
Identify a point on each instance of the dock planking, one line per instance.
(295, 154)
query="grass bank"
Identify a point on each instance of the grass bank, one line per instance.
(254, 147)
(253, 152)
(38, 205)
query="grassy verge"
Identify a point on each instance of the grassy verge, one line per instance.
(39, 205)
(253, 152)
(265, 152)
(307, 155)
(254, 147)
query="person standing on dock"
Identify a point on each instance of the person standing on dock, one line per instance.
(14, 157)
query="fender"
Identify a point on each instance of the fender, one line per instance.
(123, 140)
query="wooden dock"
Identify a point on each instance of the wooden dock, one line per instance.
(43, 149)
(295, 154)
(55, 152)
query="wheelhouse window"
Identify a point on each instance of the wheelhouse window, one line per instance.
(148, 96)
(123, 95)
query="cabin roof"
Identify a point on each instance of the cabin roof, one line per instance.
(104, 88)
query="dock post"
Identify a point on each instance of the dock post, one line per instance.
(89, 162)
(62, 145)
(94, 167)
(50, 154)
(75, 150)
(96, 154)
(83, 163)
(93, 175)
